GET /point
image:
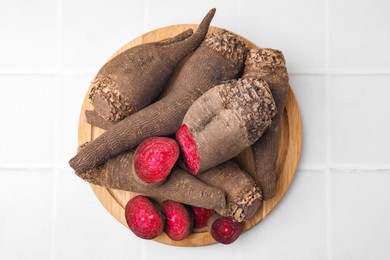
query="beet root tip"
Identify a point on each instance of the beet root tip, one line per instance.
(155, 158)
(144, 218)
(179, 220)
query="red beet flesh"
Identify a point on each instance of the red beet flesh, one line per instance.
(155, 158)
(225, 231)
(189, 150)
(144, 218)
(201, 216)
(179, 220)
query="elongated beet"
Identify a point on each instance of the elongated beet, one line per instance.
(220, 57)
(223, 229)
(179, 220)
(144, 217)
(268, 64)
(154, 159)
(134, 78)
(201, 216)
(180, 186)
(243, 195)
(225, 121)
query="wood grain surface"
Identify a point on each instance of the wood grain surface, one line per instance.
(289, 152)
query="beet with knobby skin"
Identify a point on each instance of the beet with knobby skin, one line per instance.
(224, 230)
(179, 220)
(201, 216)
(154, 159)
(144, 217)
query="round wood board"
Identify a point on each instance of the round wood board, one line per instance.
(289, 152)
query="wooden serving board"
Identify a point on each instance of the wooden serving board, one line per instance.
(289, 152)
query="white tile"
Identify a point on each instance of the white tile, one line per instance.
(27, 113)
(360, 213)
(72, 91)
(191, 12)
(217, 251)
(297, 227)
(84, 229)
(94, 30)
(26, 214)
(310, 93)
(360, 125)
(295, 27)
(28, 34)
(359, 34)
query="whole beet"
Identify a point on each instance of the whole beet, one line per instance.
(269, 65)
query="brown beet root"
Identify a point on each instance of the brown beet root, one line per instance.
(144, 218)
(225, 121)
(154, 159)
(224, 230)
(269, 65)
(179, 220)
(197, 74)
(134, 78)
(243, 196)
(201, 216)
(180, 186)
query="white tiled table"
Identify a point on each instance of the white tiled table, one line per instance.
(339, 62)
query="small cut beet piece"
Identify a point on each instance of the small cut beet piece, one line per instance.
(154, 159)
(224, 230)
(179, 220)
(201, 216)
(144, 217)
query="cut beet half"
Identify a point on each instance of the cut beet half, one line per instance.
(179, 220)
(144, 217)
(188, 148)
(155, 158)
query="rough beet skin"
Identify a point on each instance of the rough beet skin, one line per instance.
(179, 220)
(155, 158)
(201, 216)
(189, 149)
(224, 230)
(144, 217)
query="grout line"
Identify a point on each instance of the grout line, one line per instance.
(48, 72)
(56, 125)
(328, 128)
(239, 10)
(27, 168)
(146, 16)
